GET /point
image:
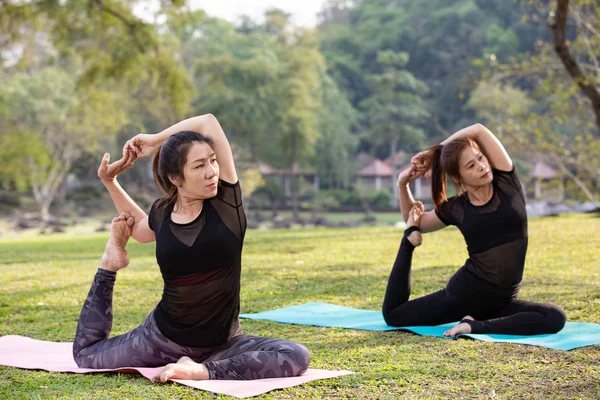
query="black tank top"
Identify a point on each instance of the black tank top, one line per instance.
(495, 233)
(200, 263)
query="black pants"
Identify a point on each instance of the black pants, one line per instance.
(242, 357)
(495, 309)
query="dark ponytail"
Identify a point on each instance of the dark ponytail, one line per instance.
(170, 160)
(438, 175)
(443, 160)
(165, 186)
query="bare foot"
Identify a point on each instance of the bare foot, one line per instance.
(115, 257)
(460, 328)
(185, 368)
(414, 216)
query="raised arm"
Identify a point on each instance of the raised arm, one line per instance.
(491, 147)
(123, 202)
(146, 145)
(429, 220)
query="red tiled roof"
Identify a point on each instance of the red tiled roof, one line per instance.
(376, 168)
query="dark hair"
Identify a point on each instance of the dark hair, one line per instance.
(170, 159)
(444, 160)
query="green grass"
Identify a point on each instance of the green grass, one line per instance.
(44, 281)
(381, 218)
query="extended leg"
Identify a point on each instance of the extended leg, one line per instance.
(244, 357)
(522, 318)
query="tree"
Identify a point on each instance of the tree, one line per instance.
(557, 24)
(335, 148)
(395, 111)
(298, 111)
(263, 82)
(236, 76)
(110, 68)
(54, 123)
(441, 37)
(106, 30)
(110, 43)
(560, 124)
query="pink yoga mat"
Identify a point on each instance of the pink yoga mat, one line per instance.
(27, 353)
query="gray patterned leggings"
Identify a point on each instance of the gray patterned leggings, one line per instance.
(242, 357)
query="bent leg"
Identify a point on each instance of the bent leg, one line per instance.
(398, 287)
(252, 357)
(522, 318)
(433, 309)
(95, 319)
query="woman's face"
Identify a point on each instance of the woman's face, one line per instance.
(474, 168)
(200, 172)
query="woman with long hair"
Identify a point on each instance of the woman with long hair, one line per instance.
(199, 226)
(489, 210)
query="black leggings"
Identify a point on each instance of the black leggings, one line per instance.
(495, 309)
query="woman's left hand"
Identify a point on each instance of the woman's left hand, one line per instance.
(143, 145)
(108, 172)
(408, 175)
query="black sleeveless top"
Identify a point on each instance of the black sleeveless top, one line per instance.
(200, 263)
(496, 232)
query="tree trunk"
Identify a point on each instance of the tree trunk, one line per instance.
(44, 210)
(45, 192)
(294, 168)
(580, 184)
(557, 27)
(295, 209)
(393, 148)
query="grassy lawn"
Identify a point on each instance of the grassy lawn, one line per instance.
(44, 281)
(381, 218)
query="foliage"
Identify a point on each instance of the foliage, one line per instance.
(335, 149)
(266, 83)
(54, 123)
(536, 106)
(345, 197)
(395, 110)
(20, 152)
(74, 75)
(251, 179)
(376, 76)
(441, 38)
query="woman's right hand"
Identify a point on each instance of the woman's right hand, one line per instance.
(143, 145)
(408, 175)
(108, 172)
(420, 162)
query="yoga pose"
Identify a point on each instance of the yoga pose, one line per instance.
(490, 213)
(199, 228)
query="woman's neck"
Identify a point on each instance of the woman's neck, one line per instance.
(479, 195)
(188, 206)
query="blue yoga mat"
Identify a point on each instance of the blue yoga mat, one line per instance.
(572, 336)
